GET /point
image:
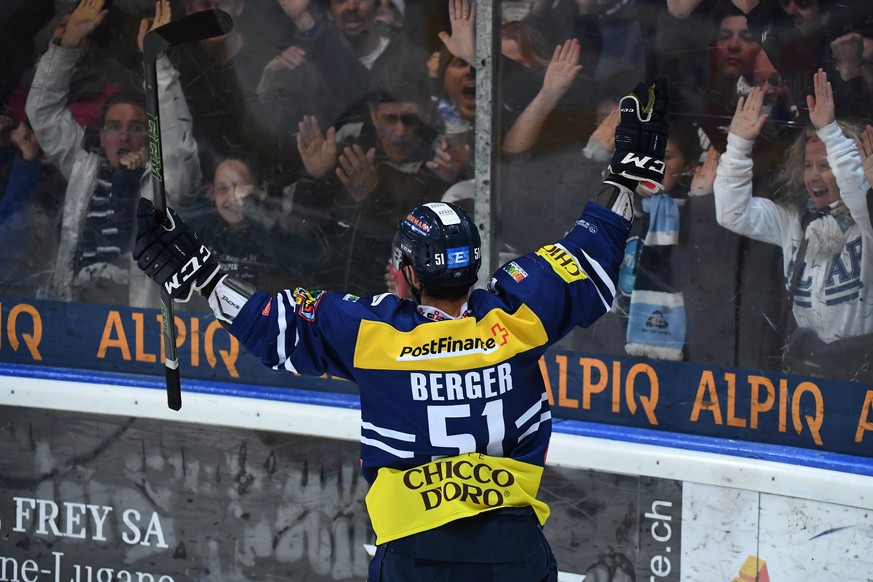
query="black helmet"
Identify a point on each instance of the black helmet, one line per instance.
(441, 243)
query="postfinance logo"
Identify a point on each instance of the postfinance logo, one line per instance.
(449, 345)
(563, 263)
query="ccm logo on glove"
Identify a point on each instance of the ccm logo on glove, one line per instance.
(171, 255)
(644, 162)
(188, 270)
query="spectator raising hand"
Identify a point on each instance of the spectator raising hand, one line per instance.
(84, 20)
(462, 40)
(848, 51)
(604, 134)
(317, 150)
(821, 103)
(357, 171)
(92, 259)
(820, 230)
(560, 74)
(704, 175)
(163, 15)
(748, 119)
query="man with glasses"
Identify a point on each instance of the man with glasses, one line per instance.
(362, 178)
(93, 260)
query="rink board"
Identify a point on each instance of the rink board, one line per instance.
(233, 488)
(818, 414)
(666, 471)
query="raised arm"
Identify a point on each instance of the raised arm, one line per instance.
(53, 124)
(843, 153)
(735, 207)
(561, 72)
(576, 278)
(461, 42)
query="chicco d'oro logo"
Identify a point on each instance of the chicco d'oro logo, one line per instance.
(464, 481)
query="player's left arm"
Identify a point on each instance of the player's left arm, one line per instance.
(279, 330)
(575, 278)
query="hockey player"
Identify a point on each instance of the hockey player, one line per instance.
(455, 419)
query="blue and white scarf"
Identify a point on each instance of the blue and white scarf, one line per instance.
(656, 314)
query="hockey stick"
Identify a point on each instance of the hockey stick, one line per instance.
(197, 26)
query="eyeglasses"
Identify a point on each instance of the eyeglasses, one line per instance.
(133, 128)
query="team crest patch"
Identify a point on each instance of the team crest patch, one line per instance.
(307, 302)
(266, 310)
(350, 297)
(515, 271)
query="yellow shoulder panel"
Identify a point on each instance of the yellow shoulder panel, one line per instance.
(457, 344)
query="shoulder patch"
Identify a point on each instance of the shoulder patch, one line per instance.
(307, 302)
(515, 271)
(350, 297)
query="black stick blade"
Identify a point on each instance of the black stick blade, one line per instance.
(174, 387)
(194, 27)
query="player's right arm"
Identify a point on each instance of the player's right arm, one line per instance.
(280, 330)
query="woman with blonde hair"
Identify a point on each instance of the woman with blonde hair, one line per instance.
(823, 227)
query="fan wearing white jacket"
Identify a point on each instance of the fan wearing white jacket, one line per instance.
(93, 259)
(826, 245)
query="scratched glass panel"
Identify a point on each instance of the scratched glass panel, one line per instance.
(712, 284)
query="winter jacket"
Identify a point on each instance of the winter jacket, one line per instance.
(834, 298)
(62, 140)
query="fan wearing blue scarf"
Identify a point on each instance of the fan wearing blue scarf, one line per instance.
(653, 303)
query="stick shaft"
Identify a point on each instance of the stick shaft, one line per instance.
(197, 26)
(159, 193)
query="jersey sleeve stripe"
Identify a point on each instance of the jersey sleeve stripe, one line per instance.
(529, 413)
(281, 340)
(602, 282)
(547, 415)
(388, 449)
(387, 432)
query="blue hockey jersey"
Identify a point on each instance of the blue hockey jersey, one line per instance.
(442, 389)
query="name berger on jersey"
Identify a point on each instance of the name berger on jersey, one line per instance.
(487, 383)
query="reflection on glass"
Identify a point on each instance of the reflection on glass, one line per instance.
(347, 114)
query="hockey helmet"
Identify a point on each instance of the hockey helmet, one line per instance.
(441, 243)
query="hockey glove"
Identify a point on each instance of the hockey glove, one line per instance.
(641, 135)
(171, 255)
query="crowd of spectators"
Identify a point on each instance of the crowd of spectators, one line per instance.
(295, 142)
